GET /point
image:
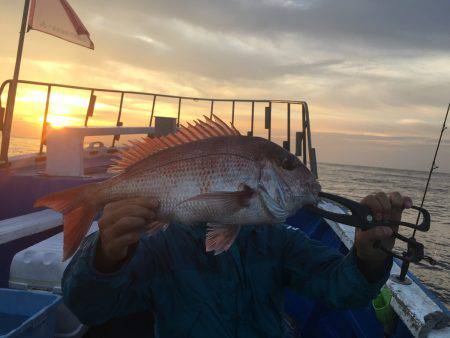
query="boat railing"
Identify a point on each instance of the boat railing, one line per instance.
(303, 143)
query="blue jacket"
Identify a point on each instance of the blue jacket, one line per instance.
(239, 293)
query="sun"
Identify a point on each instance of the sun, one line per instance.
(63, 111)
(59, 121)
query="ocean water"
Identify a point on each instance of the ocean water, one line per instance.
(356, 182)
(22, 146)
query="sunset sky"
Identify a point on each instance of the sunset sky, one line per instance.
(376, 74)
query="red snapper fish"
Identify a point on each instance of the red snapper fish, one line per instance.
(204, 173)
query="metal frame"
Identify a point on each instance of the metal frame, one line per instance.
(308, 152)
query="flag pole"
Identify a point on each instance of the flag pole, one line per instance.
(6, 133)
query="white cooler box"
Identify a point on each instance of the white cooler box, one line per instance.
(40, 267)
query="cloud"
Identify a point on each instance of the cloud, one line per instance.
(297, 4)
(391, 152)
(397, 24)
(411, 121)
(348, 53)
(151, 41)
(374, 68)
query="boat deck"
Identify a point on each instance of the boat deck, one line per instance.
(22, 185)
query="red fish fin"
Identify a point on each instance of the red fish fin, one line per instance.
(156, 226)
(146, 147)
(78, 214)
(219, 238)
(228, 201)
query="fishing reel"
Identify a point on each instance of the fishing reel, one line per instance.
(361, 217)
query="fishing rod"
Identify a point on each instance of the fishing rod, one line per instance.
(361, 216)
(405, 265)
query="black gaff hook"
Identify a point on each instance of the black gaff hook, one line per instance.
(361, 217)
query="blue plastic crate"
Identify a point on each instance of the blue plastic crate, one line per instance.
(27, 314)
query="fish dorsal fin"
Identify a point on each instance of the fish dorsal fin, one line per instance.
(199, 130)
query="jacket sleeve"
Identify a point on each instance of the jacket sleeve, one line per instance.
(318, 272)
(96, 297)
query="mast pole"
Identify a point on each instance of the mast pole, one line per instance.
(6, 133)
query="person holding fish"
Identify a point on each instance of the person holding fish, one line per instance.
(193, 231)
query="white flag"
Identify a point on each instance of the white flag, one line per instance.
(57, 18)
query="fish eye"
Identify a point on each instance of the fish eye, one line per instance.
(289, 163)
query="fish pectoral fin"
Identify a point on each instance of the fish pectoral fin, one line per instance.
(219, 237)
(226, 201)
(156, 226)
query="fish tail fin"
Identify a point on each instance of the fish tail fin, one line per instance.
(78, 213)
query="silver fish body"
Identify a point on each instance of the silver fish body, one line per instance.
(204, 173)
(226, 180)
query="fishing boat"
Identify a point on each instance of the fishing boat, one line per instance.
(31, 240)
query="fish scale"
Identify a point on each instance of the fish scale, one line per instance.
(176, 181)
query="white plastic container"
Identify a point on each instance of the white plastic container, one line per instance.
(40, 267)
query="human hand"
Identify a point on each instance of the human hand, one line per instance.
(383, 207)
(121, 226)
